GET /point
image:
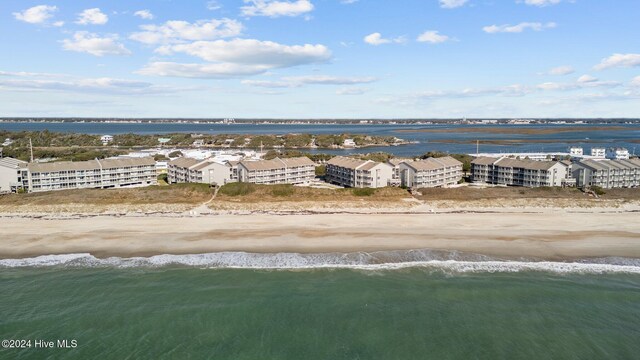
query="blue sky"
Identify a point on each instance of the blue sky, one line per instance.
(320, 58)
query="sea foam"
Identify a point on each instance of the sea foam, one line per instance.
(454, 262)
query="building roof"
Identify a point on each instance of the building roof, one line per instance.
(13, 163)
(483, 160)
(184, 162)
(515, 163)
(90, 164)
(127, 162)
(397, 161)
(347, 162)
(277, 163)
(526, 164)
(433, 163)
(605, 165)
(447, 161)
(370, 165)
(298, 161)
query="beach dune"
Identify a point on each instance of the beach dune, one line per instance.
(541, 235)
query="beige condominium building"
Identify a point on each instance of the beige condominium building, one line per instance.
(185, 170)
(359, 173)
(607, 174)
(516, 172)
(299, 170)
(107, 173)
(431, 172)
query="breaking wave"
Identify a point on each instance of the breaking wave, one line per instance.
(456, 262)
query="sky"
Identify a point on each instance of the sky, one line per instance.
(320, 58)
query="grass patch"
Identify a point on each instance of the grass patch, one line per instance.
(290, 193)
(473, 193)
(282, 190)
(168, 194)
(363, 191)
(237, 189)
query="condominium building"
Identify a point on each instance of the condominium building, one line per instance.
(189, 170)
(598, 152)
(431, 172)
(515, 172)
(107, 173)
(395, 175)
(358, 173)
(298, 170)
(607, 174)
(13, 173)
(576, 151)
(617, 154)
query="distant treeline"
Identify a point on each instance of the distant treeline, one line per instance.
(324, 121)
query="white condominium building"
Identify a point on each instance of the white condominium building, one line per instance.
(576, 151)
(598, 152)
(607, 174)
(431, 172)
(189, 170)
(298, 170)
(507, 171)
(395, 175)
(107, 173)
(617, 154)
(13, 175)
(358, 173)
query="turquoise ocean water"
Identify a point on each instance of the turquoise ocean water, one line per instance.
(197, 307)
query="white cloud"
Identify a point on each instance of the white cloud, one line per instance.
(587, 79)
(25, 81)
(202, 71)
(144, 14)
(535, 26)
(235, 58)
(274, 8)
(268, 84)
(451, 4)
(348, 1)
(252, 52)
(178, 31)
(298, 81)
(635, 81)
(93, 44)
(37, 14)
(583, 82)
(92, 17)
(619, 60)
(213, 5)
(561, 70)
(377, 39)
(433, 37)
(58, 23)
(351, 91)
(541, 2)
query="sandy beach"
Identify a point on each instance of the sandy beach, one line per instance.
(542, 235)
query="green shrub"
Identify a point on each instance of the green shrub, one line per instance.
(363, 191)
(237, 189)
(598, 190)
(282, 190)
(321, 170)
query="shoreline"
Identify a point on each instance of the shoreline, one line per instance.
(546, 235)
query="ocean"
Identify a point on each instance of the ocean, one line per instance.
(324, 306)
(627, 136)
